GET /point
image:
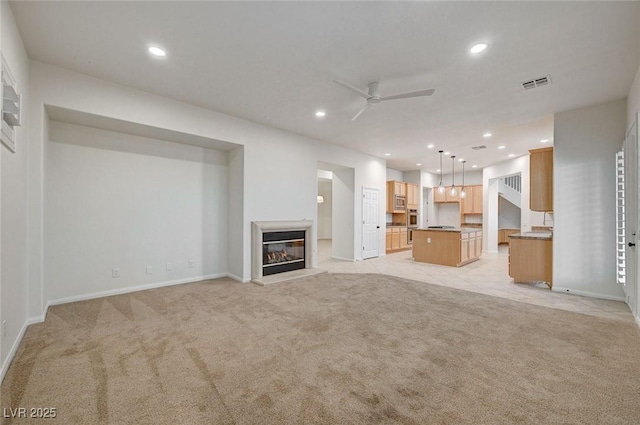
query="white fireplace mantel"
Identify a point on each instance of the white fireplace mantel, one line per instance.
(257, 230)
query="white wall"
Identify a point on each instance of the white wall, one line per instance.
(633, 100)
(324, 210)
(121, 201)
(236, 214)
(471, 178)
(395, 175)
(509, 216)
(272, 158)
(584, 241)
(13, 202)
(343, 191)
(633, 108)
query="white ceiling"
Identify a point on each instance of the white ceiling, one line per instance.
(274, 62)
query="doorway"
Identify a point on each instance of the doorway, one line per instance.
(342, 210)
(370, 222)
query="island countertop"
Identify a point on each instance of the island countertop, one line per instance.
(455, 229)
(545, 236)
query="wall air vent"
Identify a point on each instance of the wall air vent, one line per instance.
(477, 148)
(536, 82)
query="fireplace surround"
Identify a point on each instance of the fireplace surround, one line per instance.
(281, 250)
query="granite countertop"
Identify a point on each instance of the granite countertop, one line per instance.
(396, 225)
(545, 236)
(455, 229)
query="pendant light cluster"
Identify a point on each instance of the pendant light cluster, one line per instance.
(463, 192)
(440, 186)
(453, 190)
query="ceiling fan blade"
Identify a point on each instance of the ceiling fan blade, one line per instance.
(352, 88)
(361, 111)
(428, 92)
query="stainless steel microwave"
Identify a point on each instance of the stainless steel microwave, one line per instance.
(400, 202)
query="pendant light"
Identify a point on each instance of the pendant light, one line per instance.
(453, 176)
(463, 192)
(440, 186)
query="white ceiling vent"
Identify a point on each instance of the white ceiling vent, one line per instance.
(477, 148)
(536, 82)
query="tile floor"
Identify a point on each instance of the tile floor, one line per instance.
(489, 275)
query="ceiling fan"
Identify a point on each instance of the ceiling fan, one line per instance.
(373, 96)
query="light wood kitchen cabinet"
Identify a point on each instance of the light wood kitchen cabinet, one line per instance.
(472, 202)
(447, 247)
(541, 179)
(412, 196)
(396, 239)
(446, 196)
(395, 188)
(503, 235)
(439, 197)
(531, 259)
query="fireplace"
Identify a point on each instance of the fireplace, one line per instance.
(281, 250)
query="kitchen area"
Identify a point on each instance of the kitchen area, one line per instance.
(454, 236)
(402, 215)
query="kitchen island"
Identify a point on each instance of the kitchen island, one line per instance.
(531, 257)
(453, 247)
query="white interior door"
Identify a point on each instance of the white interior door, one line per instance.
(370, 222)
(631, 216)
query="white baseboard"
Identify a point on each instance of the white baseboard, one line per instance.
(335, 257)
(238, 278)
(120, 291)
(637, 320)
(324, 239)
(12, 352)
(586, 294)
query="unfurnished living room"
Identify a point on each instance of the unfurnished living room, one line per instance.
(319, 212)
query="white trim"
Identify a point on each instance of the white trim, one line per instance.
(120, 291)
(586, 294)
(14, 349)
(335, 257)
(637, 320)
(324, 239)
(238, 278)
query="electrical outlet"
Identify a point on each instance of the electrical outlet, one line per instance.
(191, 263)
(149, 269)
(168, 266)
(4, 328)
(428, 240)
(115, 272)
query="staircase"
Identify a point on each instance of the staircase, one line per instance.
(510, 188)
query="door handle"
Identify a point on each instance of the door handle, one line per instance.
(377, 227)
(631, 244)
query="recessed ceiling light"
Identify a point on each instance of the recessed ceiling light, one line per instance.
(501, 147)
(461, 159)
(321, 114)
(511, 155)
(157, 51)
(485, 135)
(430, 146)
(544, 140)
(474, 166)
(438, 170)
(478, 48)
(447, 153)
(387, 154)
(418, 164)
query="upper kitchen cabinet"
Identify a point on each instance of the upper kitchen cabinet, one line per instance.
(396, 196)
(541, 179)
(446, 196)
(472, 202)
(412, 196)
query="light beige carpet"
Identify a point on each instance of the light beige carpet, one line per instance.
(328, 349)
